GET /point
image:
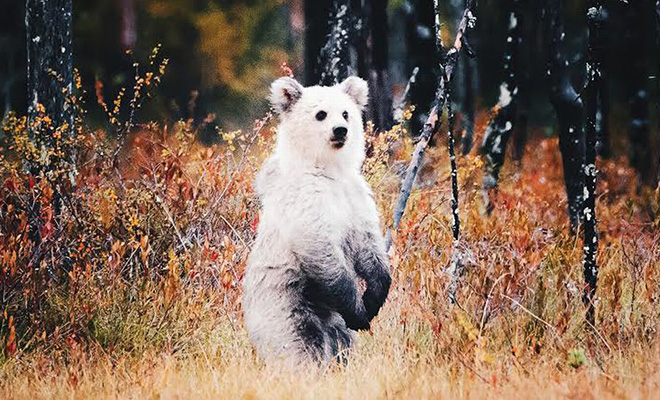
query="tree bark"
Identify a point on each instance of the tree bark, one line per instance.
(595, 82)
(334, 60)
(50, 85)
(498, 132)
(568, 109)
(50, 65)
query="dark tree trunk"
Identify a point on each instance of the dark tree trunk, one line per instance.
(50, 83)
(317, 14)
(421, 53)
(128, 24)
(380, 104)
(49, 53)
(334, 60)
(498, 132)
(638, 45)
(568, 109)
(595, 82)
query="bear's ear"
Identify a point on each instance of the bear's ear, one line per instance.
(357, 89)
(284, 93)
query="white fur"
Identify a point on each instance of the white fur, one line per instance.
(313, 196)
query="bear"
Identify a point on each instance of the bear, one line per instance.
(319, 241)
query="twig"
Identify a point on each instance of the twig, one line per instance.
(401, 103)
(411, 172)
(448, 64)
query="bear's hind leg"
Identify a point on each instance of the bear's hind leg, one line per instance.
(311, 332)
(340, 338)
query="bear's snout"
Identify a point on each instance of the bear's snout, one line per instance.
(339, 136)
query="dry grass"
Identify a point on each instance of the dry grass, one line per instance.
(517, 332)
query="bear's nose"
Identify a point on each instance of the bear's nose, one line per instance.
(339, 132)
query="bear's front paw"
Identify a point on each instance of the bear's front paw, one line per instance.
(372, 303)
(357, 320)
(357, 323)
(375, 295)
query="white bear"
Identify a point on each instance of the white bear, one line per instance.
(319, 231)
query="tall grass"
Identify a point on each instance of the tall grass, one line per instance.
(132, 289)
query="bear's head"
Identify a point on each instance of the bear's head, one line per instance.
(320, 126)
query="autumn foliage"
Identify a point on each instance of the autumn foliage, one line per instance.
(141, 256)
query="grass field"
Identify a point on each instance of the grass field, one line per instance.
(518, 330)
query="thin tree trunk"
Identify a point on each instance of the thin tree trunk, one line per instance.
(498, 132)
(594, 85)
(568, 109)
(430, 126)
(401, 102)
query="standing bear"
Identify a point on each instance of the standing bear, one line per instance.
(319, 231)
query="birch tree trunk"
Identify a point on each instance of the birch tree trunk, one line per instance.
(594, 85)
(568, 109)
(498, 132)
(334, 60)
(448, 63)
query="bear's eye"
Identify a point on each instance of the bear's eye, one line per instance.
(320, 116)
(345, 115)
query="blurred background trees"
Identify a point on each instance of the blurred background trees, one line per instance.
(223, 55)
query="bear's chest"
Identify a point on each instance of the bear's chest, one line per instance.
(349, 203)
